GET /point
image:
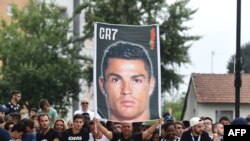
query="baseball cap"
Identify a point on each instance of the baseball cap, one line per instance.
(195, 120)
(3, 108)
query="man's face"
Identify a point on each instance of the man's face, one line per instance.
(220, 129)
(85, 105)
(17, 97)
(179, 129)
(199, 128)
(208, 125)
(78, 123)
(44, 122)
(127, 129)
(170, 132)
(128, 87)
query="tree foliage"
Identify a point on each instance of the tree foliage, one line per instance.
(37, 56)
(175, 107)
(245, 60)
(175, 42)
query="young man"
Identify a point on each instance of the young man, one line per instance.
(218, 130)
(13, 105)
(47, 109)
(179, 128)
(29, 126)
(127, 134)
(208, 122)
(46, 133)
(127, 81)
(77, 132)
(170, 132)
(196, 132)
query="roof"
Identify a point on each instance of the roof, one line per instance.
(219, 88)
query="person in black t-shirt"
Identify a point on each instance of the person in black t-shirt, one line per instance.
(196, 132)
(13, 105)
(126, 134)
(46, 133)
(77, 133)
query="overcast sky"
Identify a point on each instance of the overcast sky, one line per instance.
(215, 21)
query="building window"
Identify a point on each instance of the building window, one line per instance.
(223, 113)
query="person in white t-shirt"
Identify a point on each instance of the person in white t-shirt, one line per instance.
(85, 109)
(95, 134)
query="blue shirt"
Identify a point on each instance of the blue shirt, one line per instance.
(4, 135)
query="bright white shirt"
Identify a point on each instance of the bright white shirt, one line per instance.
(104, 138)
(91, 114)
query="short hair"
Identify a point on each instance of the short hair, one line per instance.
(19, 127)
(43, 103)
(208, 118)
(28, 123)
(180, 123)
(215, 125)
(33, 109)
(14, 92)
(7, 124)
(224, 118)
(128, 51)
(168, 124)
(42, 115)
(77, 116)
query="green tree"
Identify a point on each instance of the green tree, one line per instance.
(245, 53)
(175, 42)
(176, 107)
(38, 57)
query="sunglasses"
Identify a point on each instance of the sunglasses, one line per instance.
(84, 103)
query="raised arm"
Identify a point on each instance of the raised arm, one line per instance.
(103, 129)
(151, 129)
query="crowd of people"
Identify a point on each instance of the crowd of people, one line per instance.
(43, 124)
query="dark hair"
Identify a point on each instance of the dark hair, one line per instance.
(129, 51)
(168, 124)
(208, 118)
(76, 116)
(224, 118)
(33, 109)
(42, 115)
(28, 123)
(186, 123)
(7, 124)
(19, 127)
(43, 103)
(14, 92)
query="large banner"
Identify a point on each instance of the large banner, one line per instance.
(127, 72)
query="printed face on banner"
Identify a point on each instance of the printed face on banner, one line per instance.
(127, 81)
(128, 87)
